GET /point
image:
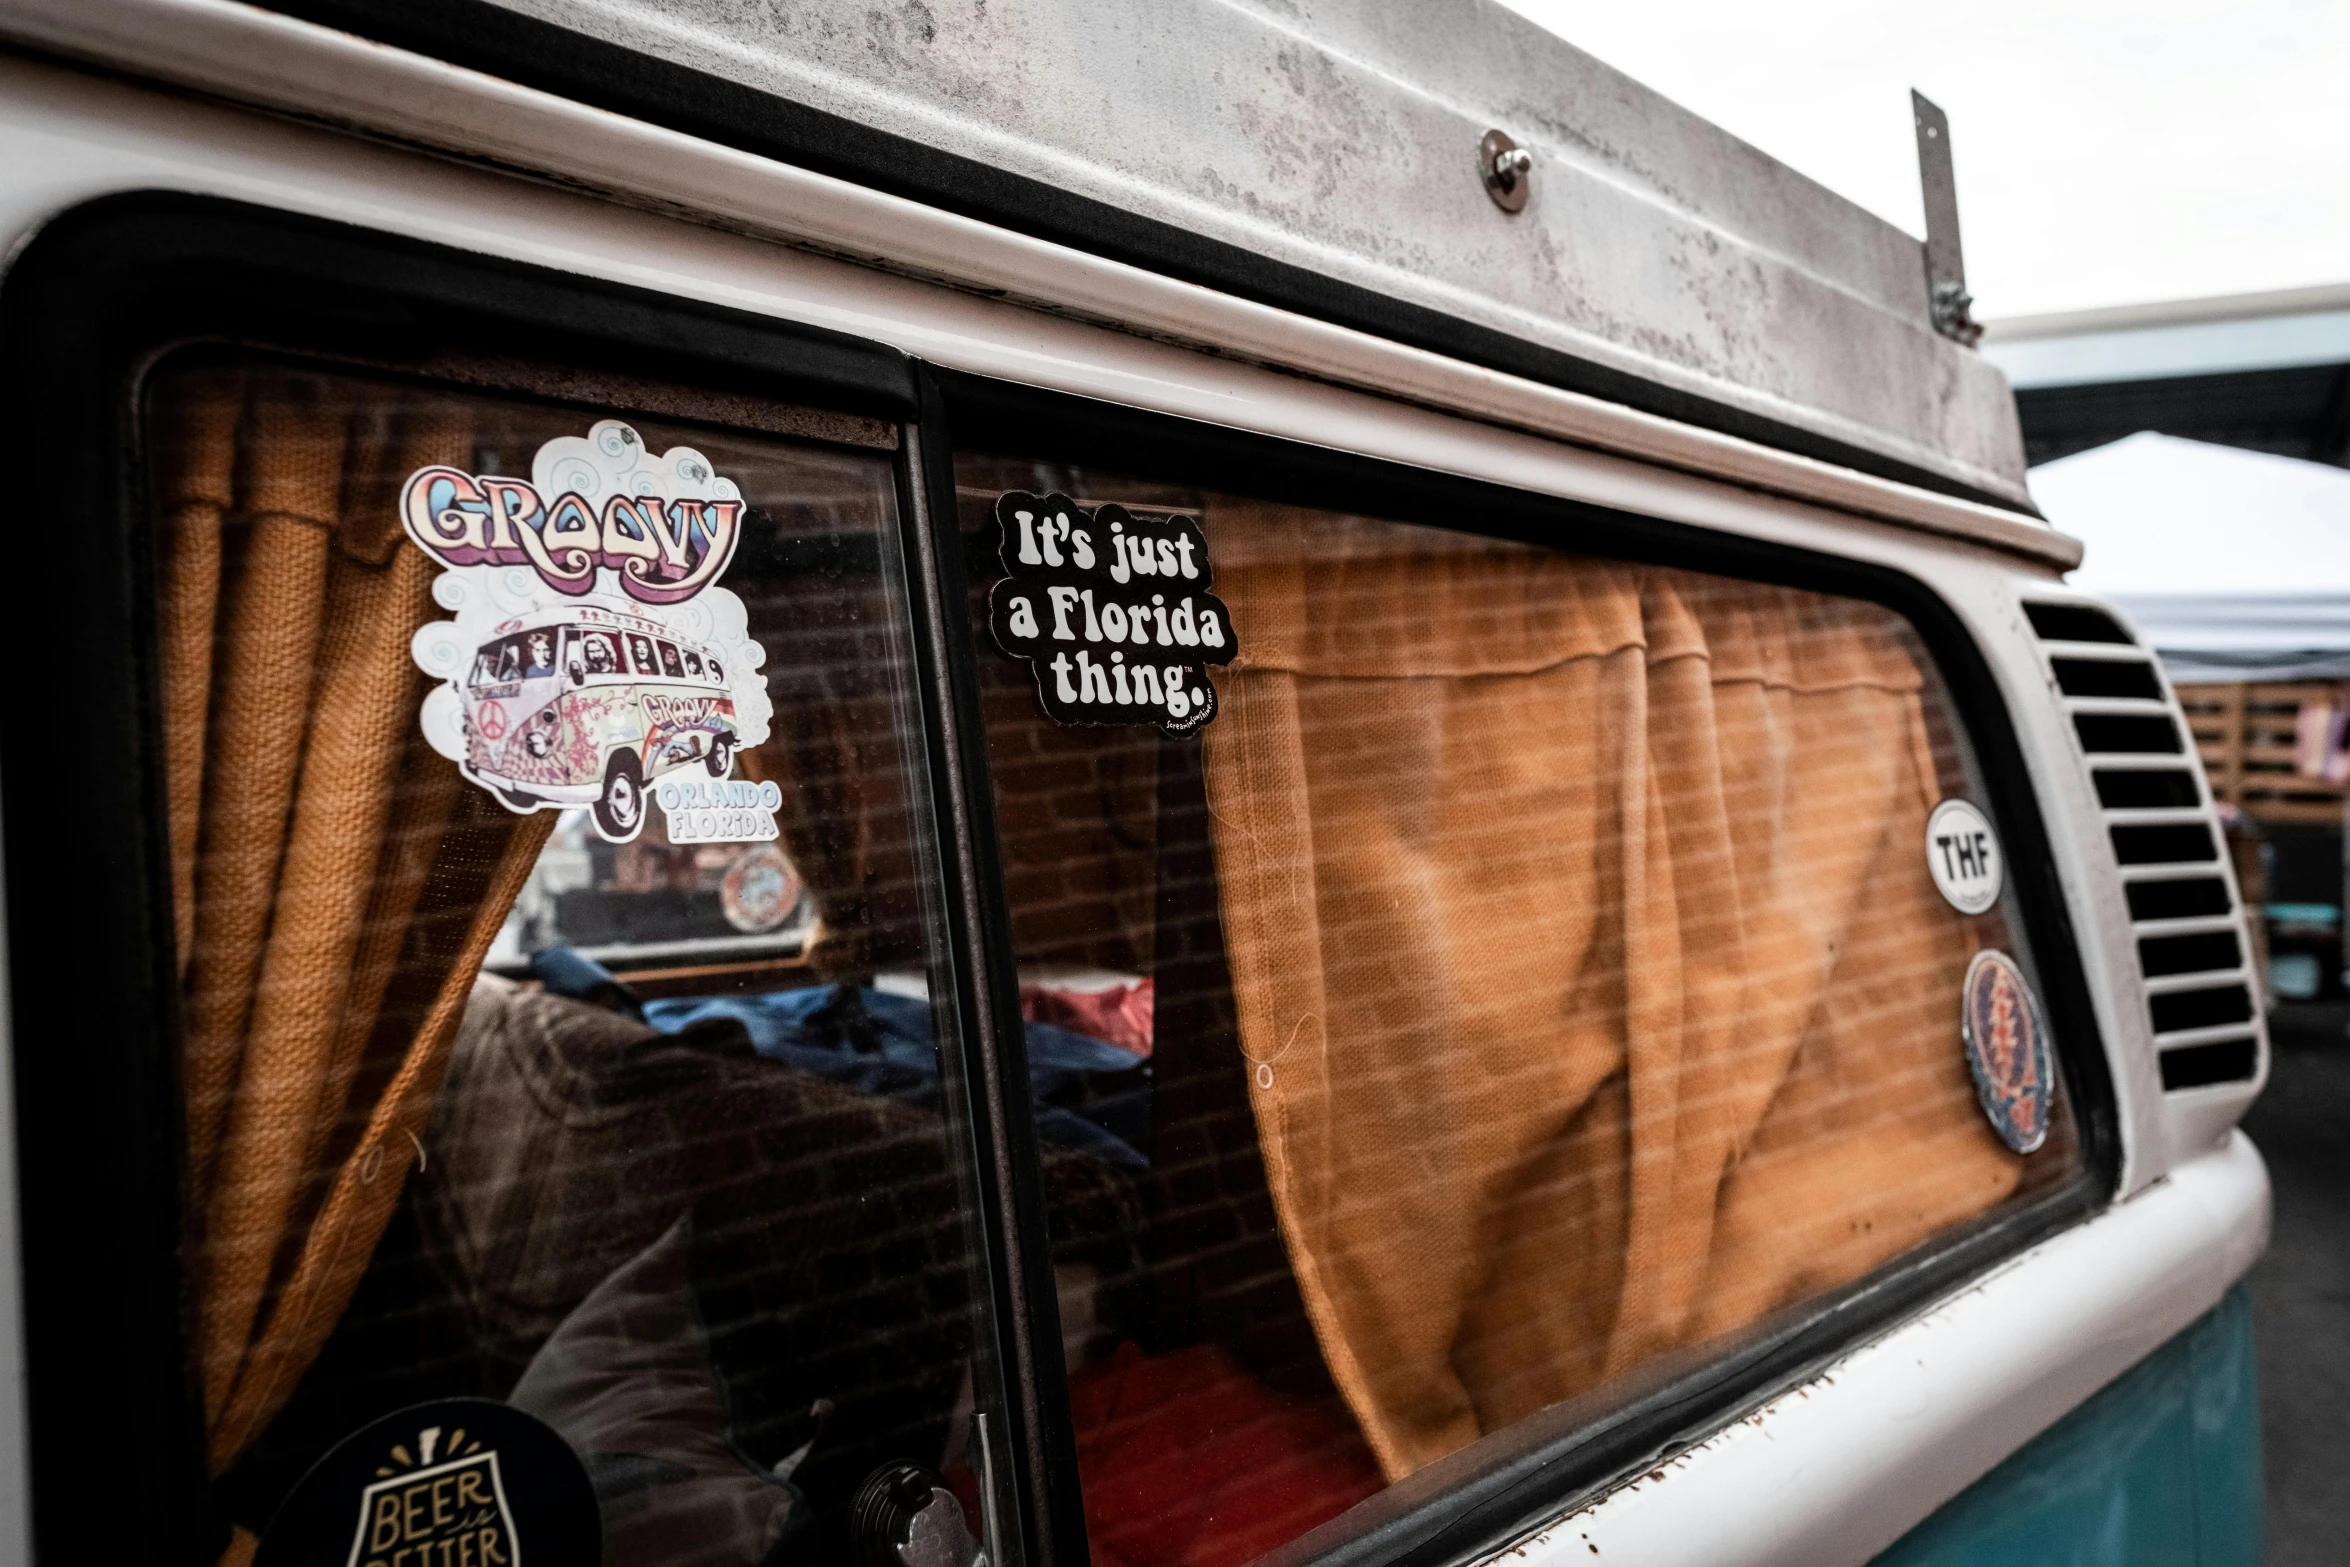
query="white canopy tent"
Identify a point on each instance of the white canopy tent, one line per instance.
(2234, 564)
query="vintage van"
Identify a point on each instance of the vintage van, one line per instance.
(1675, 998)
(583, 706)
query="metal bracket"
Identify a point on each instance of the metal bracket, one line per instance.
(1948, 304)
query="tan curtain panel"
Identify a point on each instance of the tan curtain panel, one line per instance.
(1595, 994)
(336, 883)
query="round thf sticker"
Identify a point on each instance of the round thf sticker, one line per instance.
(1963, 853)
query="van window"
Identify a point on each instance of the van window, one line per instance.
(499, 663)
(701, 1212)
(1533, 976)
(595, 654)
(671, 664)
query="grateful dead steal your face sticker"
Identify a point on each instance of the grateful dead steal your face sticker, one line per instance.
(591, 658)
(1112, 612)
(2007, 1049)
(464, 1482)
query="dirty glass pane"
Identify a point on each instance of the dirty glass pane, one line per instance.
(529, 937)
(1530, 980)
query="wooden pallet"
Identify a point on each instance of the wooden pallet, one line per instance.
(2245, 730)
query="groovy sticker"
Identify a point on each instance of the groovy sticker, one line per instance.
(591, 653)
(658, 548)
(1112, 612)
(697, 810)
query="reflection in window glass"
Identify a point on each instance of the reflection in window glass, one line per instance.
(729, 1270)
(1537, 977)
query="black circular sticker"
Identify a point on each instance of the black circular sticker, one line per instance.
(464, 1482)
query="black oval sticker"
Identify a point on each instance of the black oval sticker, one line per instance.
(464, 1482)
(1111, 610)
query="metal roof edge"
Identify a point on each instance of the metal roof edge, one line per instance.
(261, 58)
(1661, 264)
(2171, 312)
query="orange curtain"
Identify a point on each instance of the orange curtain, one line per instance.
(1595, 995)
(336, 883)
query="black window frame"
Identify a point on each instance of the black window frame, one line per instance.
(105, 288)
(1453, 1511)
(98, 296)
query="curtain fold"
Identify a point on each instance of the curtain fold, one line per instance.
(336, 883)
(1595, 995)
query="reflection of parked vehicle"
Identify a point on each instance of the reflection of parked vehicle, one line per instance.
(585, 706)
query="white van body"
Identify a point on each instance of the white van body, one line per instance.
(1828, 415)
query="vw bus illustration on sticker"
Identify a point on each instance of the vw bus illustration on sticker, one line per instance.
(591, 649)
(586, 706)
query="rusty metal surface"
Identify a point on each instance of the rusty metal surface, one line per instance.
(1947, 299)
(1342, 136)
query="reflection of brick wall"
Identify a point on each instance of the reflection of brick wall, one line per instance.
(838, 674)
(1075, 806)
(829, 1253)
(1107, 861)
(1219, 1269)
(1077, 815)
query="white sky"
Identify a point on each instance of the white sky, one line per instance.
(2108, 151)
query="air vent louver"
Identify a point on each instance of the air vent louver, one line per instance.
(2147, 791)
(2190, 941)
(2074, 623)
(2162, 956)
(2183, 1011)
(2128, 734)
(2106, 677)
(2195, 898)
(2200, 1066)
(2181, 843)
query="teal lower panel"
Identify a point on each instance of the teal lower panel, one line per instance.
(2161, 1469)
